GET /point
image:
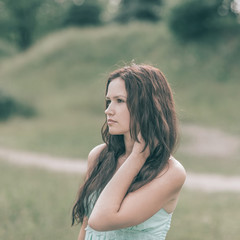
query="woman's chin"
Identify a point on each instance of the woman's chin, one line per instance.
(114, 133)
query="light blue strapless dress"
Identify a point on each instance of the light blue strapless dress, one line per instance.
(155, 228)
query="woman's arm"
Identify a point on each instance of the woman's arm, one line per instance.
(82, 232)
(114, 210)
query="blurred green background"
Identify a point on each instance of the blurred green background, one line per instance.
(55, 57)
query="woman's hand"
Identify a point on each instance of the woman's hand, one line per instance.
(138, 149)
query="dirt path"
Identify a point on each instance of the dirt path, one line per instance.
(212, 182)
(206, 142)
(27, 159)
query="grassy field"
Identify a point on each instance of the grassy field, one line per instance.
(205, 216)
(36, 204)
(209, 164)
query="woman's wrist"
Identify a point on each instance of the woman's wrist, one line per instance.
(138, 158)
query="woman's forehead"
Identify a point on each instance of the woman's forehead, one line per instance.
(116, 88)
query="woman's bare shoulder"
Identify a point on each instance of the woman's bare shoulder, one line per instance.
(94, 154)
(174, 174)
(177, 171)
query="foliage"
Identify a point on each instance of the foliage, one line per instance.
(23, 21)
(10, 107)
(51, 17)
(88, 13)
(139, 10)
(20, 19)
(193, 20)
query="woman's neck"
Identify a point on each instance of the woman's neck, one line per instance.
(129, 142)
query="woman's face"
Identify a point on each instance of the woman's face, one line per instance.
(118, 116)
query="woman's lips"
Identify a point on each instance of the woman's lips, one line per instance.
(110, 121)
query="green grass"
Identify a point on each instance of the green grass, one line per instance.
(7, 50)
(221, 161)
(206, 216)
(210, 164)
(36, 204)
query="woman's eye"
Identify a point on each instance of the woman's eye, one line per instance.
(108, 102)
(120, 100)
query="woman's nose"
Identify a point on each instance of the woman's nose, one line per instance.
(109, 110)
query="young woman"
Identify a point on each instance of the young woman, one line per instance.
(133, 181)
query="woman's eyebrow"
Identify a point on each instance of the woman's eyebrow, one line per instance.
(118, 96)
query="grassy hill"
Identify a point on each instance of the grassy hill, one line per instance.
(63, 77)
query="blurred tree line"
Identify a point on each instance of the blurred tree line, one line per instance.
(23, 21)
(10, 107)
(195, 20)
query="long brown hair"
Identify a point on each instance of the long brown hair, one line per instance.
(151, 106)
